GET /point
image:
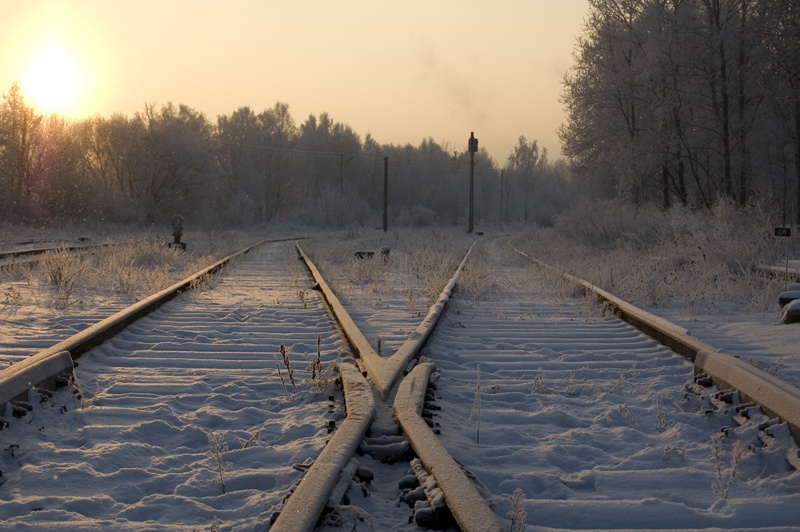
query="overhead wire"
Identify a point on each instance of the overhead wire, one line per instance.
(452, 165)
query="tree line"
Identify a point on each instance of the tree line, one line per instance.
(250, 168)
(683, 102)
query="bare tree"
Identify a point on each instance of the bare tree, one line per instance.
(18, 128)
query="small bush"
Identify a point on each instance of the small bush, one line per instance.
(60, 275)
(705, 260)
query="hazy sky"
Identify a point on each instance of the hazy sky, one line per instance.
(402, 71)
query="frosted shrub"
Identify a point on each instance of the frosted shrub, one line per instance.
(217, 449)
(432, 269)
(424, 260)
(289, 370)
(602, 224)
(60, 273)
(517, 514)
(725, 476)
(141, 268)
(705, 260)
(321, 377)
(128, 271)
(477, 281)
(365, 271)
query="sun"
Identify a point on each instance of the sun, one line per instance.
(53, 80)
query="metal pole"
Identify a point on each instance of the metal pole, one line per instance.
(503, 205)
(473, 147)
(385, 194)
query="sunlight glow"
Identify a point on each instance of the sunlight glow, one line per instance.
(53, 80)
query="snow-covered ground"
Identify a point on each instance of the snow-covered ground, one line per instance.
(592, 444)
(135, 452)
(758, 338)
(594, 439)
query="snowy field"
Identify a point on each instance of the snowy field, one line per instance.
(615, 449)
(189, 419)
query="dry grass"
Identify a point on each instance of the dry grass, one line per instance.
(705, 261)
(424, 260)
(61, 279)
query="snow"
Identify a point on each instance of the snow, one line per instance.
(595, 436)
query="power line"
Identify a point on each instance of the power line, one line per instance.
(454, 165)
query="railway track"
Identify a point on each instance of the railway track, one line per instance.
(34, 248)
(529, 379)
(205, 360)
(28, 254)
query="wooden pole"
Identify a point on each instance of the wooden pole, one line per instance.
(385, 194)
(473, 147)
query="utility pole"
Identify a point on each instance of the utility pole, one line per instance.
(473, 147)
(503, 199)
(385, 194)
(342, 160)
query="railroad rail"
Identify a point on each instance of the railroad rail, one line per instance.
(16, 253)
(54, 365)
(30, 256)
(467, 506)
(776, 397)
(45, 369)
(380, 393)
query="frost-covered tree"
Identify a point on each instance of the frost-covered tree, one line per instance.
(673, 100)
(19, 125)
(178, 143)
(259, 160)
(606, 101)
(526, 164)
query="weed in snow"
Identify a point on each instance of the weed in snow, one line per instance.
(244, 444)
(739, 451)
(539, 386)
(346, 516)
(315, 365)
(671, 450)
(60, 272)
(216, 526)
(627, 414)
(517, 514)
(218, 448)
(662, 425)
(289, 369)
(280, 373)
(303, 295)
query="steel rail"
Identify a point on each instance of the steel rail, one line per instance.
(470, 510)
(382, 372)
(776, 397)
(789, 274)
(43, 368)
(41, 251)
(8, 259)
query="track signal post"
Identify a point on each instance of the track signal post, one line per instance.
(473, 147)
